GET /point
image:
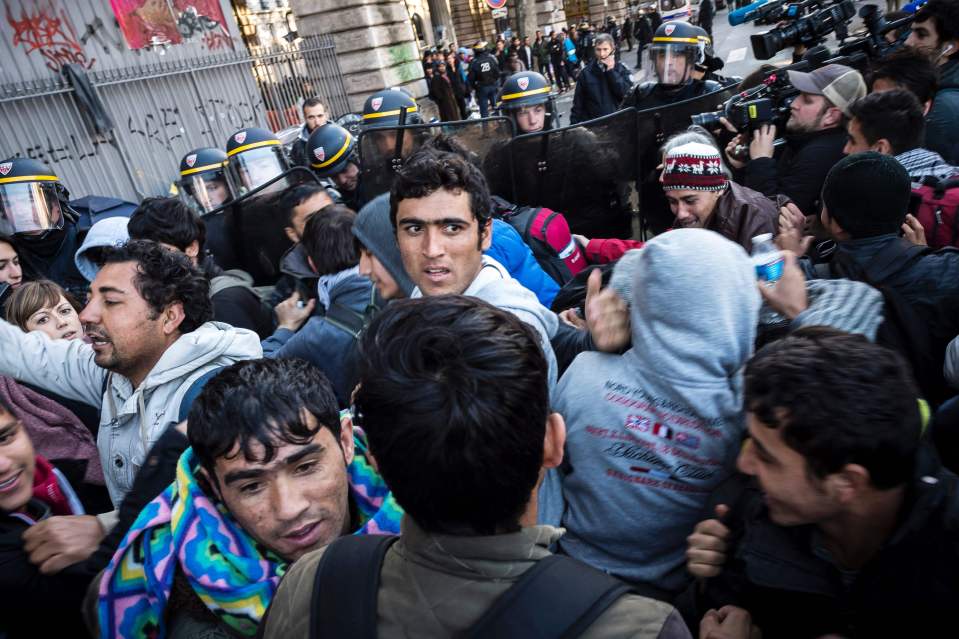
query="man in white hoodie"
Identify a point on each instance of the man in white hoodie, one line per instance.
(150, 338)
(441, 211)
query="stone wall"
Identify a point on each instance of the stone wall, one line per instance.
(550, 15)
(374, 41)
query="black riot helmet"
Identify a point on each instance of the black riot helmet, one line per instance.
(673, 53)
(330, 149)
(30, 203)
(202, 184)
(382, 109)
(525, 91)
(254, 157)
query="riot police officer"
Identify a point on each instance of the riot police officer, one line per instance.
(673, 54)
(254, 157)
(332, 154)
(202, 185)
(483, 77)
(35, 212)
(526, 98)
(383, 109)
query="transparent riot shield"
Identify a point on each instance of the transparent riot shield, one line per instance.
(247, 233)
(587, 172)
(653, 128)
(383, 150)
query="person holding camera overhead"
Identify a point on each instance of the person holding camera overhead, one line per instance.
(814, 140)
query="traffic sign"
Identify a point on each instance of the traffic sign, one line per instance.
(500, 13)
(496, 4)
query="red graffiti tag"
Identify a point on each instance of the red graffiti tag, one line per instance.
(51, 34)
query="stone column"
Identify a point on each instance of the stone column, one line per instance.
(374, 41)
(599, 9)
(550, 13)
(440, 15)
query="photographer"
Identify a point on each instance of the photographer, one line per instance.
(815, 136)
(935, 33)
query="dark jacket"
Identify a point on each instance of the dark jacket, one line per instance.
(650, 95)
(599, 91)
(924, 280)
(799, 168)
(329, 347)
(297, 276)
(52, 258)
(942, 123)
(234, 300)
(483, 71)
(441, 90)
(37, 605)
(742, 214)
(908, 589)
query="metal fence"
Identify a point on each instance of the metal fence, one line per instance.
(161, 111)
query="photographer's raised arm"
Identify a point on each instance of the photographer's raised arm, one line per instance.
(62, 366)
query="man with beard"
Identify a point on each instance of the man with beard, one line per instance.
(314, 116)
(815, 137)
(149, 338)
(274, 471)
(700, 196)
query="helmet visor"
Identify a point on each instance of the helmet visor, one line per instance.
(670, 64)
(208, 190)
(29, 208)
(256, 167)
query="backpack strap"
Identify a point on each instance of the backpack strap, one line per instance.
(345, 588)
(345, 318)
(234, 278)
(574, 593)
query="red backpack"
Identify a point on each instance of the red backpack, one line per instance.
(935, 203)
(547, 234)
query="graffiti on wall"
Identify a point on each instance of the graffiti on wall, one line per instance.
(49, 33)
(148, 23)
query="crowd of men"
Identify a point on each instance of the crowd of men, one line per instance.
(422, 419)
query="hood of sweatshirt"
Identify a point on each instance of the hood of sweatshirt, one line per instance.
(694, 307)
(652, 432)
(210, 342)
(111, 231)
(374, 230)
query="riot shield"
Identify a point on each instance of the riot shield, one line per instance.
(653, 128)
(587, 172)
(383, 150)
(247, 233)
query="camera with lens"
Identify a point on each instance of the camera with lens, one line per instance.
(806, 31)
(767, 103)
(875, 43)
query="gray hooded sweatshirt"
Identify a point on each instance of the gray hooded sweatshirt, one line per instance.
(650, 433)
(131, 419)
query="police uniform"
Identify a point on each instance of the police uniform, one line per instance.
(35, 211)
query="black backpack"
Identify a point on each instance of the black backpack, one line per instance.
(558, 597)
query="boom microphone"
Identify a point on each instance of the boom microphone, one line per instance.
(745, 14)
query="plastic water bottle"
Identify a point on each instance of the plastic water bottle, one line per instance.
(767, 258)
(768, 261)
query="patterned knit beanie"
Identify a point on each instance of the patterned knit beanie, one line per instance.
(694, 166)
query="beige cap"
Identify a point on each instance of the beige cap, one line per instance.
(840, 84)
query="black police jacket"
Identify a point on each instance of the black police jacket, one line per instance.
(52, 258)
(599, 91)
(799, 168)
(650, 95)
(483, 71)
(909, 589)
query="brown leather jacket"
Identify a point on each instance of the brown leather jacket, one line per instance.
(742, 214)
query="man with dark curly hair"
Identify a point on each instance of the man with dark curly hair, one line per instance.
(148, 338)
